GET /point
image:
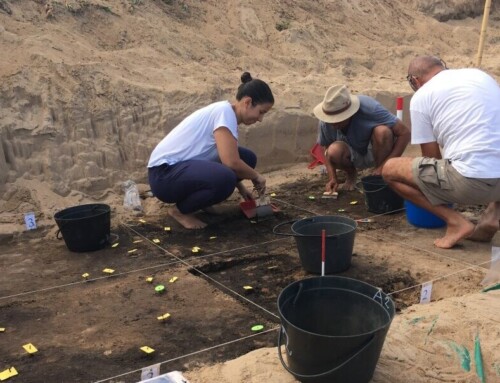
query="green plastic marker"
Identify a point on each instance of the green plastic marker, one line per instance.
(159, 289)
(257, 328)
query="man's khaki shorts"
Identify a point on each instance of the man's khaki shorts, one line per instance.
(360, 161)
(441, 184)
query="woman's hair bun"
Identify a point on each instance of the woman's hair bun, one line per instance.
(246, 77)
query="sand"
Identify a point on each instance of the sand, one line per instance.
(421, 347)
(89, 87)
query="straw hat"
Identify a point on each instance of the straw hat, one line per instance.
(338, 105)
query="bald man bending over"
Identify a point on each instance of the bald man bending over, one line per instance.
(459, 111)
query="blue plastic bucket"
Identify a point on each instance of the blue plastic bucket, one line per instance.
(422, 218)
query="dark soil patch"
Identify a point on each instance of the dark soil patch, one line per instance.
(92, 330)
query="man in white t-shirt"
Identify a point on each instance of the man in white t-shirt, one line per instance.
(455, 117)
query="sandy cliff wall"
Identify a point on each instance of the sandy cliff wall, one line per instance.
(89, 87)
(444, 10)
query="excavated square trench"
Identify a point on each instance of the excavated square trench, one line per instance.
(92, 329)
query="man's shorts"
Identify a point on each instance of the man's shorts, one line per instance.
(359, 161)
(441, 183)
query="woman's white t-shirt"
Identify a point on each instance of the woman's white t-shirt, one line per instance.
(194, 138)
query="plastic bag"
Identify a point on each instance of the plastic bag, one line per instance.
(131, 201)
(493, 274)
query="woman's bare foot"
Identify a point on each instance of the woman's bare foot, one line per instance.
(189, 221)
(454, 233)
(211, 210)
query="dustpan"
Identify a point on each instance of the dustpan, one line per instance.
(252, 211)
(318, 154)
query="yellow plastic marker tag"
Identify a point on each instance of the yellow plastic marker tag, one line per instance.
(147, 350)
(341, 210)
(248, 289)
(311, 197)
(85, 275)
(142, 221)
(9, 373)
(137, 241)
(2, 329)
(149, 279)
(164, 317)
(173, 279)
(114, 244)
(213, 237)
(108, 271)
(273, 194)
(353, 202)
(156, 240)
(195, 249)
(167, 228)
(30, 349)
(132, 251)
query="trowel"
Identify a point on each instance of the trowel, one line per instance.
(258, 209)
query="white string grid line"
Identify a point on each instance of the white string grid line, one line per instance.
(470, 266)
(186, 263)
(177, 261)
(192, 353)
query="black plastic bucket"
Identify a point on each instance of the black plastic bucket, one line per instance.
(84, 227)
(333, 329)
(339, 242)
(379, 197)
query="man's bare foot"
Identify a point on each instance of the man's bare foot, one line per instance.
(189, 221)
(484, 232)
(488, 224)
(348, 185)
(454, 233)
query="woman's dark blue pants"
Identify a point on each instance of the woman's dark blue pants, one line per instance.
(196, 184)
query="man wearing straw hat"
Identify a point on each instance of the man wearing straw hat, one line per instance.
(456, 111)
(357, 132)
